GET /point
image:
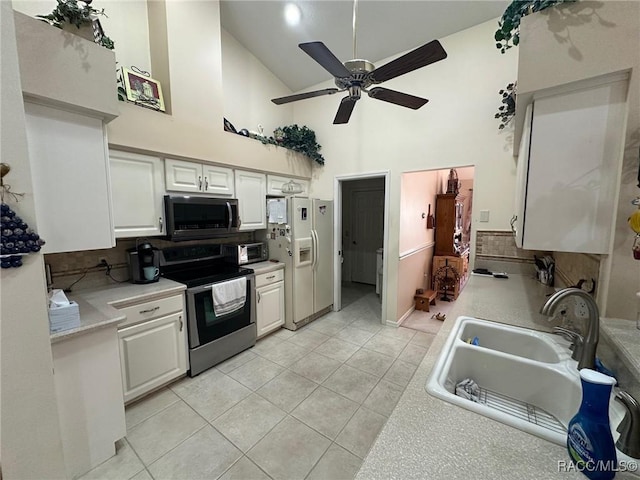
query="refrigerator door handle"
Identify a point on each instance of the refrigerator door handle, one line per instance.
(314, 246)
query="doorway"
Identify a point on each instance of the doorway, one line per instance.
(361, 235)
(436, 245)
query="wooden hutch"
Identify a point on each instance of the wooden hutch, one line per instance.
(449, 247)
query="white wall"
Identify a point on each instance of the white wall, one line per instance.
(248, 89)
(456, 128)
(31, 446)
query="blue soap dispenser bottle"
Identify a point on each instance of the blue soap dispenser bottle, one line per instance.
(589, 440)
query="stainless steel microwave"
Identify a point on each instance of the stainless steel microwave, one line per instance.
(191, 218)
(245, 253)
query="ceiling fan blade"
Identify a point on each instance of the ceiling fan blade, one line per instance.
(321, 54)
(302, 96)
(344, 111)
(399, 98)
(420, 57)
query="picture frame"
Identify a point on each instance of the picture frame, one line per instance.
(98, 32)
(143, 90)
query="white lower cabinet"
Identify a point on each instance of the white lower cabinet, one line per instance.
(251, 192)
(269, 302)
(89, 393)
(137, 190)
(153, 352)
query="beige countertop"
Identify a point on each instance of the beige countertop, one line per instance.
(265, 267)
(99, 307)
(426, 437)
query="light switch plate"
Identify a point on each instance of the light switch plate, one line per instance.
(484, 215)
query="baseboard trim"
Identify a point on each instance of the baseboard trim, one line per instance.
(406, 315)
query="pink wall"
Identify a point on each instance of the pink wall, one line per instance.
(418, 190)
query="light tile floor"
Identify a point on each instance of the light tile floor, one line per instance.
(423, 321)
(305, 404)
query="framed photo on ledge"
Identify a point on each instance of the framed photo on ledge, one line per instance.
(143, 90)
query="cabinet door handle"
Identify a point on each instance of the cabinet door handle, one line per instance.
(180, 319)
(270, 277)
(206, 183)
(199, 183)
(512, 223)
(258, 296)
(160, 223)
(149, 310)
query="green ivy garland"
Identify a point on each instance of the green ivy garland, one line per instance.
(68, 11)
(508, 33)
(508, 108)
(299, 139)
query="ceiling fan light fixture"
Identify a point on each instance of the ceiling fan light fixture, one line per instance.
(292, 14)
(357, 75)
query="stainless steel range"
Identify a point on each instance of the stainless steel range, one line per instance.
(215, 334)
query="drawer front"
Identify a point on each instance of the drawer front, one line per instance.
(152, 309)
(271, 277)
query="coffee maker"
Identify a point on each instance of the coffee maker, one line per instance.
(144, 262)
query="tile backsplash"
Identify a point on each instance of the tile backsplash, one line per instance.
(497, 249)
(68, 267)
(572, 267)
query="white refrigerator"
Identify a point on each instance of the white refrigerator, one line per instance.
(300, 234)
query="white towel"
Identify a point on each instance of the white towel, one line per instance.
(229, 296)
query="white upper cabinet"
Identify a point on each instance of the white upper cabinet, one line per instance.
(251, 192)
(275, 183)
(70, 170)
(194, 177)
(183, 176)
(569, 169)
(137, 190)
(218, 180)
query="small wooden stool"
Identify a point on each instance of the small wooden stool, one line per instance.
(424, 299)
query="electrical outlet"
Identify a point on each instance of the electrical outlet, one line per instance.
(102, 261)
(580, 310)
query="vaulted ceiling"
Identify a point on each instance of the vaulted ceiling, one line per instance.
(384, 28)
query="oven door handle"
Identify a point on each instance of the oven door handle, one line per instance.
(229, 211)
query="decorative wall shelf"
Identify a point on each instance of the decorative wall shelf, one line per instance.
(63, 70)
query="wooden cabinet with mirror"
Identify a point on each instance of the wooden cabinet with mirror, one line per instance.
(448, 235)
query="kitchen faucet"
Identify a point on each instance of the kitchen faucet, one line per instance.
(590, 343)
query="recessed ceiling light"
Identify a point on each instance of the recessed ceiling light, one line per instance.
(292, 14)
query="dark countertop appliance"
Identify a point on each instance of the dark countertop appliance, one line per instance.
(144, 262)
(191, 217)
(212, 338)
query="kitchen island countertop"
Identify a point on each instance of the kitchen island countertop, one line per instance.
(426, 437)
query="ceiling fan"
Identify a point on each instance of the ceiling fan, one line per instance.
(357, 75)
